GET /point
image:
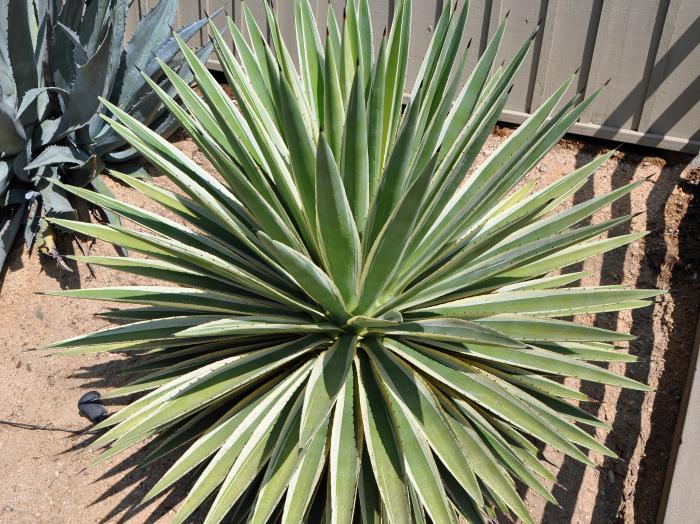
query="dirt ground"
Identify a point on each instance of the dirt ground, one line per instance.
(44, 470)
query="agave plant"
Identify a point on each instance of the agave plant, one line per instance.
(56, 59)
(353, 330)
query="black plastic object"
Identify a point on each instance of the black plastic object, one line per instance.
(90, 406)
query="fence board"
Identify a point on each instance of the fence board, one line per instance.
(650, 48)
(566, 46)
(522, 20)
(672, 106)
(422, 26)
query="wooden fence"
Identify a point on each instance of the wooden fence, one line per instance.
(648, 48)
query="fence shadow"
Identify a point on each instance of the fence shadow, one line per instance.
(648, 457)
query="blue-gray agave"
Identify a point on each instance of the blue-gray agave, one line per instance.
(56, 58)
(362, 328)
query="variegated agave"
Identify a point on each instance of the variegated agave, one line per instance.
(355, 330)
(56, 58)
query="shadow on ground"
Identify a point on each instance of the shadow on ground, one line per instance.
(613, 488)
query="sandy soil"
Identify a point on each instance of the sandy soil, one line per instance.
(44, 474)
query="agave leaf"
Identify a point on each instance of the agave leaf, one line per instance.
(485, 464)
(486, 392)
(211, 194)
(327, 378)
(7, 81)
(591, 351)
(250, 461)
(310, 278)
(420, 467)
(333, 35)
(283, 462)
(5, 176)
(380, 265)
(135, 332)
(311, 57)
(205, 385)
(55, 202)
(555, 302)
(57, 155)
(91, 82)
(540, 329)
(503, 449)
(366, 38)
(251, 67)
(375, 117)
(306, 476)
(168, 296)
(301, 148)
(333, 99)
(31, 96)
(382, 445)
(118, 15)
(397, 64)
(395, 179)
(337, 232)
(79, 52)
(14, 138)
(368, 492)
(250, 406)
(61, 53)
(349, 58)
(151, 31)
(147, 108)
(415, 398)
(98, 185)
(452, 329)
(252, 326)
(220, 467)
(343, 460)
(92, 25)
(21, 47)
(548, 363)
(188, 210)
(154, 245)
(287, 67)
(9, 227)
(166, 52)
(85, 172)
(161, 270)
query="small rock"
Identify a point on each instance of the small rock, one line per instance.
(90, 406)
(542, 169)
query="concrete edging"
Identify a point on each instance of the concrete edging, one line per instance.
(679, 501)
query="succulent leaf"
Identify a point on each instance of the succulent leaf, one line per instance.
(12, 131)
